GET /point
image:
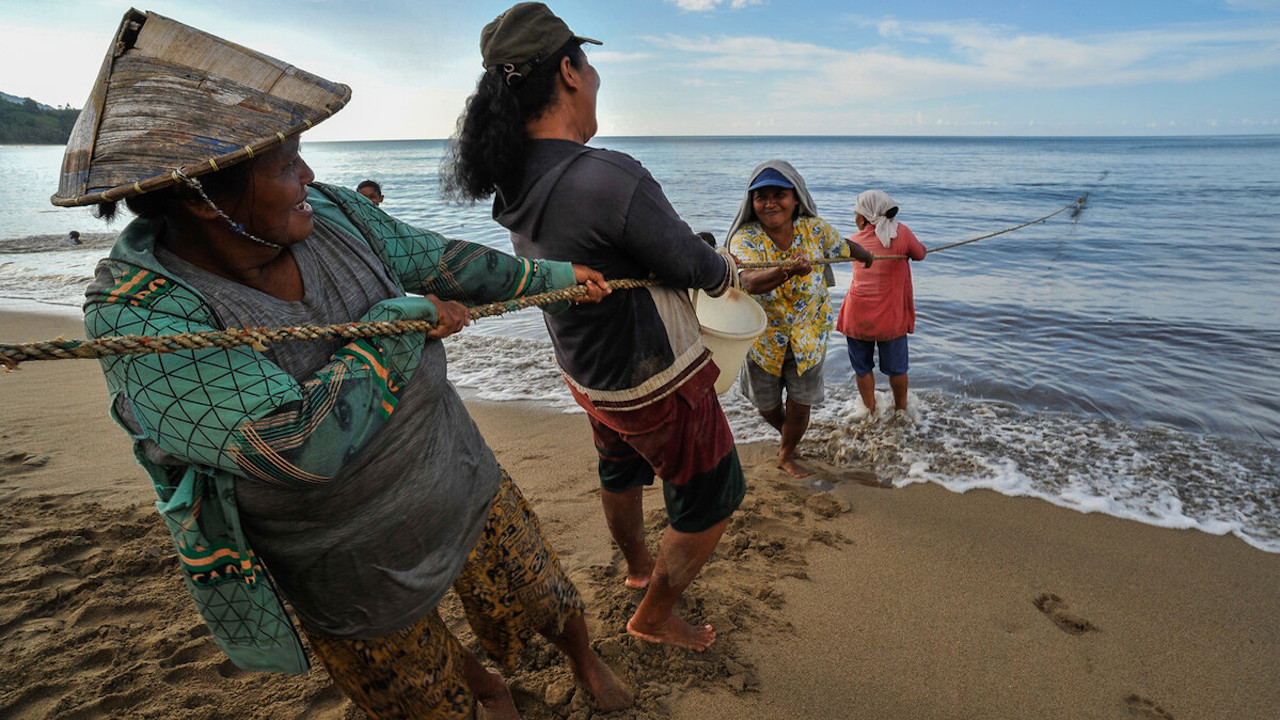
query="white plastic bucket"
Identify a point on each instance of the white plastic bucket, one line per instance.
(730, 325)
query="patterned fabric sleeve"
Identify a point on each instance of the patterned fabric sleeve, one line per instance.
(234, 410)
(747, 247)
(833, 246)
(427, 262)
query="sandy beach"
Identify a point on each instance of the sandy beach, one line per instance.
(855, 602)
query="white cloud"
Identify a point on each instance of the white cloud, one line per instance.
(709, 5)
(967, 58)
(62, 77)
(609, 57)
(889, 28)
(1254, 4)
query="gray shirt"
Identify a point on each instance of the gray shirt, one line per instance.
(376, 547)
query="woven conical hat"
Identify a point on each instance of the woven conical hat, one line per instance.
(170, 97)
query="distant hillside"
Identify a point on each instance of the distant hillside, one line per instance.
(23, 120)
(21, 100)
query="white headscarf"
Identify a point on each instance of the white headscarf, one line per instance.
(880, 210)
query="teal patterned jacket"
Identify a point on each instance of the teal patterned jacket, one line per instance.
(228, 413)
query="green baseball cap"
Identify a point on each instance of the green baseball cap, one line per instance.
(518, 40)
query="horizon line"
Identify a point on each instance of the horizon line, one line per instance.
(874, 136)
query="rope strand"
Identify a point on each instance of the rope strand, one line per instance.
(1078, 203)
(260, 338)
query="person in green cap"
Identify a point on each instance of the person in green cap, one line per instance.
(635, 362)
(345, 473)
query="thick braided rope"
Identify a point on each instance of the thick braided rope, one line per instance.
(260, 338)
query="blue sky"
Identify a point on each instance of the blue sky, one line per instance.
(742, 67)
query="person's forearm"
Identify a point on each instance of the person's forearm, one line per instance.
(759, 282)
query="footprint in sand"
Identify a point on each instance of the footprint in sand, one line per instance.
(1141, 708)
(15, 461)
(1070, 623)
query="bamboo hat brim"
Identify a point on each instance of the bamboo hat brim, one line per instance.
(172, 99)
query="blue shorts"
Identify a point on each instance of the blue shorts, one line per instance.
(893, 356)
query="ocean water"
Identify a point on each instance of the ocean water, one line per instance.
(1120, 360)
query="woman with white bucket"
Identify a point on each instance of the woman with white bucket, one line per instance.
(778, 223)
(635, 362)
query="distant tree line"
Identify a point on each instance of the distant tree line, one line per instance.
(27, 122)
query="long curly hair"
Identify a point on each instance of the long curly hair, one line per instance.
(488, 147)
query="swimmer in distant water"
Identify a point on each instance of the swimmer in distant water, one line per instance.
(74, 237)
(371, 190)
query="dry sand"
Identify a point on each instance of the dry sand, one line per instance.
(861, 602)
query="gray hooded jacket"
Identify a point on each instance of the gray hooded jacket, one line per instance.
(602, 209)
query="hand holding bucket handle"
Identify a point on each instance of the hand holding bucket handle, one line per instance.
(730, 324)
(735, 278)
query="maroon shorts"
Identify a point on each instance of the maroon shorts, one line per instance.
(684, 439)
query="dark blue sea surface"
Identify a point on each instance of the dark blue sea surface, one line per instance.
(1157, 304)
(1121, 359)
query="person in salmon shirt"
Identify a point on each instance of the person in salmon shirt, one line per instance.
(879, 310)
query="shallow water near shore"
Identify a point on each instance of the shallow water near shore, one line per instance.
(1120, 362)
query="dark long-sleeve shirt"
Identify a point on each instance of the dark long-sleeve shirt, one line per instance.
(603, 209)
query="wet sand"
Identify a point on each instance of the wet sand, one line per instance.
(857, 602)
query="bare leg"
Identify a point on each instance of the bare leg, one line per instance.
(898, 383)
(794, 425)
(490, 689)
(774, 417)
(867, 391)
(609, 692)
(679, 560)
(624, 514)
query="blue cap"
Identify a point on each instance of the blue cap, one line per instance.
(770, 178)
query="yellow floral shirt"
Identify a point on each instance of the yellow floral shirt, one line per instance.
(799, 310)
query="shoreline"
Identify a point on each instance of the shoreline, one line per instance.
(1226, 488)
(860, 602)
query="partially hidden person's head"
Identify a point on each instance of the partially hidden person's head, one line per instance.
(877, 208)
(371, 190)
(218, 139)
(534, 66)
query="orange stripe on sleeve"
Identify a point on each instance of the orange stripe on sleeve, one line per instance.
(128, 285)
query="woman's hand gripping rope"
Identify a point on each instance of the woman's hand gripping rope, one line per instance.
(454, 316)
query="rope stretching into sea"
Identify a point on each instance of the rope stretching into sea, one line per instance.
(1077, 204)
(260, 338)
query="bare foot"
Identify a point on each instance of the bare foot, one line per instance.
(609, 692)
(638, 578)
(494, 700)
(640, 562)
(677, 632)
(793, 467)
